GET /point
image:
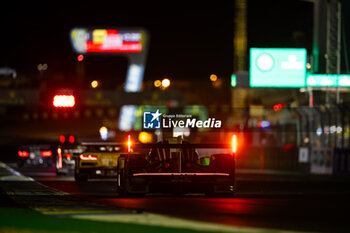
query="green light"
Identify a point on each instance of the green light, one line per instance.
(277, 67)
(233, 80)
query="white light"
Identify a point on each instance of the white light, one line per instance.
(103, 133)
(134, 78)
(78, 39)
(333, 129)
(319, 131)
(165, 82)
(265, 124)
(339, 129)
(344, 81)
(265, 62)
(63, 101)
(127, 117)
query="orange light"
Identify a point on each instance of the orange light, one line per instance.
(89, 157)
(129, 143)
(94, 84)
(63, 101)
(213, 78)
(157, 83)
(71, 139)
(234, 143)
(46, 153)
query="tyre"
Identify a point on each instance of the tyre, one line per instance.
(80, 177)
(60, 172)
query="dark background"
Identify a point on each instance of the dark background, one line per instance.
(189, 41)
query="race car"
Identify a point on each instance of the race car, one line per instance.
(99, 160)
(35, 154)
(176, 166)
(66, 149)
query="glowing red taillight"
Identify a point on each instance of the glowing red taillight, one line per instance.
(71, 139)
(87, 157)
(46, 153)
(62, 138)
(23, 153)
(63, 101)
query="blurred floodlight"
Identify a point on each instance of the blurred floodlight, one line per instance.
(145, 137)
(308, 66)
(103, 133)
(165, 83)
(213, 78)
(157, 83)
(94, 84)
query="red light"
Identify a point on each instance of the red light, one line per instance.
(167, 165)
(71, 139)
(68, 156)
(129, 143)
(80, 57)
(88, 157)
(62, 138)
(46, 153)
(62, 101)
(59, 152)
(288, 147)
(277, 107)
(234, 143)
(188, 165)
(23, 153)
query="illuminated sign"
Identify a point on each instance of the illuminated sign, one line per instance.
(107, 40)
(328, 80)
(131, 43)
(277, 67)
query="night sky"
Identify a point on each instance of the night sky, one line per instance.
(189, 41)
